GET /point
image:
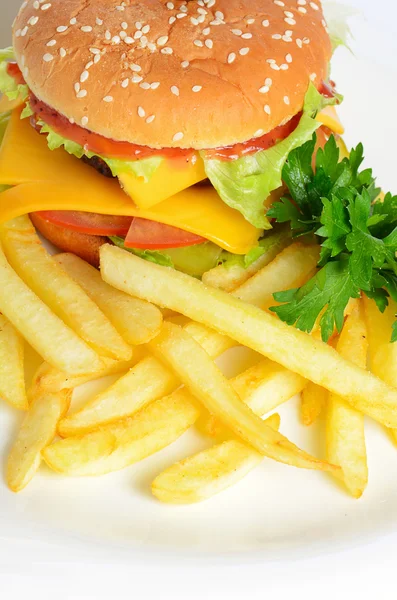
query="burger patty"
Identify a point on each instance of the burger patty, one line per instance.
(99, 164)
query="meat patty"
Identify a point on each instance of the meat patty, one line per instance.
(98, 164)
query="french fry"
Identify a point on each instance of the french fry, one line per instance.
(37, 431)
(49, 379)
(206, 382)
(147, 381)
(207, 473)
(290, 269)
(135, 320)
(253, 328)
(124, 443)
(345, 426)
(263, 388)
(28, 257)
(314, 400)
(12, 378)
(45, 332)
(231, 277)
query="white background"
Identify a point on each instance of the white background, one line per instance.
(39, 570)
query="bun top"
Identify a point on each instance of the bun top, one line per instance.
(190, 74)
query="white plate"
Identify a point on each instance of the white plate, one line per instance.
(277, 511)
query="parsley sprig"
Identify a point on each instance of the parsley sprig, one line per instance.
(357, 230)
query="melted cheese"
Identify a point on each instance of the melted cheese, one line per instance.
(329, 117)
(54, 180)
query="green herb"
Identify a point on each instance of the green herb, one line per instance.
(340, 205)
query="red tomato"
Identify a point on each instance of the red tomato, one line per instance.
(151, 235)
(14, 71)
(85, 222)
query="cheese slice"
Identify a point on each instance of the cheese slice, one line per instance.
(54, 180)
(329, 117)
(7, 105)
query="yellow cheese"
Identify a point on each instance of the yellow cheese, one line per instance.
(171, 177)
(329, 117)
(54, 180)
(6, 104)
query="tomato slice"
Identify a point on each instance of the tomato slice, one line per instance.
(151, 235)
(85, 222)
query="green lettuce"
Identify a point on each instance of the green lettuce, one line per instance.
(277, 237)
(8, 85)
(245, 183)
(337, 16)
(4, 119)
(140, 168)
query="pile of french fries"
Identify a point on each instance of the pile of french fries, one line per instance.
(158, 332)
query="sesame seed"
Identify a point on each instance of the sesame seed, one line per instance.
(243, 51)
(216, 22)
(98, 21)
(197, 88)
(166, 50)
(152, 47)
(116, 39)
(287, 38)
(150, 119)
(185, 64)
(108, 35)
(171, 20)
(302, 10)
(136, 78)
(143, 41)
(36, 5)
(170, 5)
(86, 28)
(286, 100)
(211, 3)
(120, 8)
(202, 11)
(125, 83)
(246, 36)
(274, 67)
(209, 43)
(137, 35)
(155, 85)
(48, 57)
(277, 36)
(219, 15)
(284, 67)
(138, 25)
(267, 110)
(97, 58)
(146, 29)
(84, 76)
(129, 40)
(141, 112)
(288, 58)
(175, 90)
(108, 99)
(51, 43)
(266, 23)
(95, 51)
(73, 21)
(198, 43)
(259, 133)
(62, 28)
(123, 34)
(299, 42)
(124, 25)
(145, 85)
(268, 81)
(181, 15)
(306, 40)
(62, 52)
(237, 31)
(84, 121)
(72, 121)
(177, 137)
(279, 3)
(290, 21)
(77, 87)
(136, 68)
(17, 33)
(270, 61)
(231, 58)
(206, 31)
(183, 8)
(264, 89)
(289, 14)
(82, 94)
(302, 2)
(313, 76)
(33, 20)
(194, 21)
(250, 21)
(162, 40)
(314, 6)
(46, 6)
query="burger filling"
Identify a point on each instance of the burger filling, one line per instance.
(245, 175)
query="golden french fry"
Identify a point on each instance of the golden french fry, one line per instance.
(147, 381)
(290, 269)
(124, 443)
(345, 426)
(45, 332)
(207, 473)
(382, 353)
(135, 320)
(263, 388)
(206, 382)
(231, 277)
(12, 377)
(253, 328)
(314, 400)
(37, 431)
(49, 379)
(68, 301)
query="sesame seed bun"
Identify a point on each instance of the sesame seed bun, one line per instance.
(192, 74)
(83, 245)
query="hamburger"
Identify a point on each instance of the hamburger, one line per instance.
(162, 126)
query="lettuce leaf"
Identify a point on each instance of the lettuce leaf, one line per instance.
(4, 119)
(245, 183)
(140, 168)
(8, 85)
(337, 16)
(7, 53)
(275, 237)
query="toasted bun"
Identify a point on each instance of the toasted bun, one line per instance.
(192, 74)
(85, 246)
